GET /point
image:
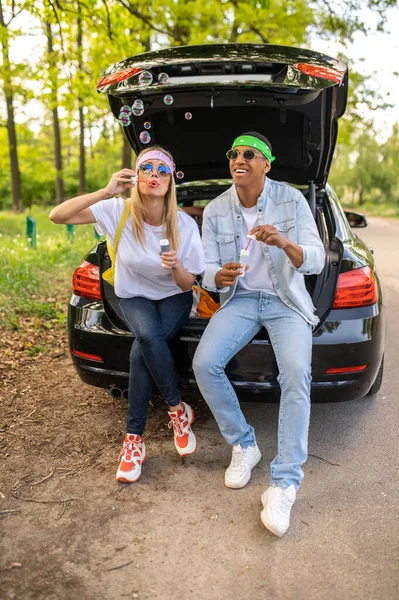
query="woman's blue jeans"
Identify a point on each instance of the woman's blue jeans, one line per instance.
(229, 330)
(154, 324)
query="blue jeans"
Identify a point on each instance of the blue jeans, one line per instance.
(229, 330)
(154, 323)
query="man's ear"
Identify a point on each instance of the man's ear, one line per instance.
(267, 166)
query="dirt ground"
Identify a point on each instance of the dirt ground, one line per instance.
(59, 441)
(69, 531)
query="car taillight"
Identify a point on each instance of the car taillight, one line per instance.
(356, 288)
(86, 281)
(116, 77)
(320, 72)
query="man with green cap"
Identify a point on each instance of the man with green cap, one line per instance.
(269, 292)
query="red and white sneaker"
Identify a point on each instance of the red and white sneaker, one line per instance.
(132, 457)
(185, 440)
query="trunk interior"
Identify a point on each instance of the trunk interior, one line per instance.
(302, 128)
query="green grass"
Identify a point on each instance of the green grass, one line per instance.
(376, 209)
(36, 283)
(38, 349)
(382, 210)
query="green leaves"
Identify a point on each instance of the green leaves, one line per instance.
(115, 29)
(265, 4)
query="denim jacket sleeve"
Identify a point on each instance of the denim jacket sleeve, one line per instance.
(309, 240)
(211, 253)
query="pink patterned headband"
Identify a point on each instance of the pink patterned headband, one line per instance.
(158, 155)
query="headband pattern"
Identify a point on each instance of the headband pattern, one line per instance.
(254, 142)
(158, 155)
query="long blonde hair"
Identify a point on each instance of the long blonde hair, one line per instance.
(138, 211)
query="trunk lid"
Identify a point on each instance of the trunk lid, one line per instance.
(292, 95)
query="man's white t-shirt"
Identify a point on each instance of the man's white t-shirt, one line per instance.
(257, 278)
(138, 270)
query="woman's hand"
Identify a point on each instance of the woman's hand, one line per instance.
(120, 182)
(169, 260)
(183, 278)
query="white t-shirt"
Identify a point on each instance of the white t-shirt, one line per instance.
(139, 271)
(257, 277)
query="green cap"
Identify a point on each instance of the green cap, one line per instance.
(253, 142)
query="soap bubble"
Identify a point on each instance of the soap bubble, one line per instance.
(163, 78)
(168, 99)
(145, 137)
(126, 109)
(179, 174)
(147, 125)
(188, 116)
(145, 78)
(138, 108)
(124, 119)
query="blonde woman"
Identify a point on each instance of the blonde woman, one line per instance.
(154, 290)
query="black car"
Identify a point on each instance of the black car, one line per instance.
(195, 100)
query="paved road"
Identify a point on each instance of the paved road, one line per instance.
(344, 539)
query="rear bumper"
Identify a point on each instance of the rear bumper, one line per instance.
(321, 391)
(348, 338)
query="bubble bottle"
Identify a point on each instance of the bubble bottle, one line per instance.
(164, 246)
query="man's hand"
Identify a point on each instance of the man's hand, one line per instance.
(228, 274)
(268, 234)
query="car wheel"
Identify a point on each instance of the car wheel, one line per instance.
(378, 380)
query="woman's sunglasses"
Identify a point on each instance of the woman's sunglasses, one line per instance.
(147, 169)
(247, 154)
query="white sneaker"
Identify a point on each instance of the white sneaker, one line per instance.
(243, 460)
(277, 503)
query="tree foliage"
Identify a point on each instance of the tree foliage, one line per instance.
(113, 29)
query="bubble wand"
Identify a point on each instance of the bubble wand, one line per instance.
(152, 182)
(251, 237)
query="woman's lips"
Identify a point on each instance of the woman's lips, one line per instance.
(153, 183)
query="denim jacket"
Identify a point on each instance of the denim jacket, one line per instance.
(284, 207)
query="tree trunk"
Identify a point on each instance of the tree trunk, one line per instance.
(82, 154)
(91, 145)
(12, 135)
(360, 195)
(13, 151)
(59, 181)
